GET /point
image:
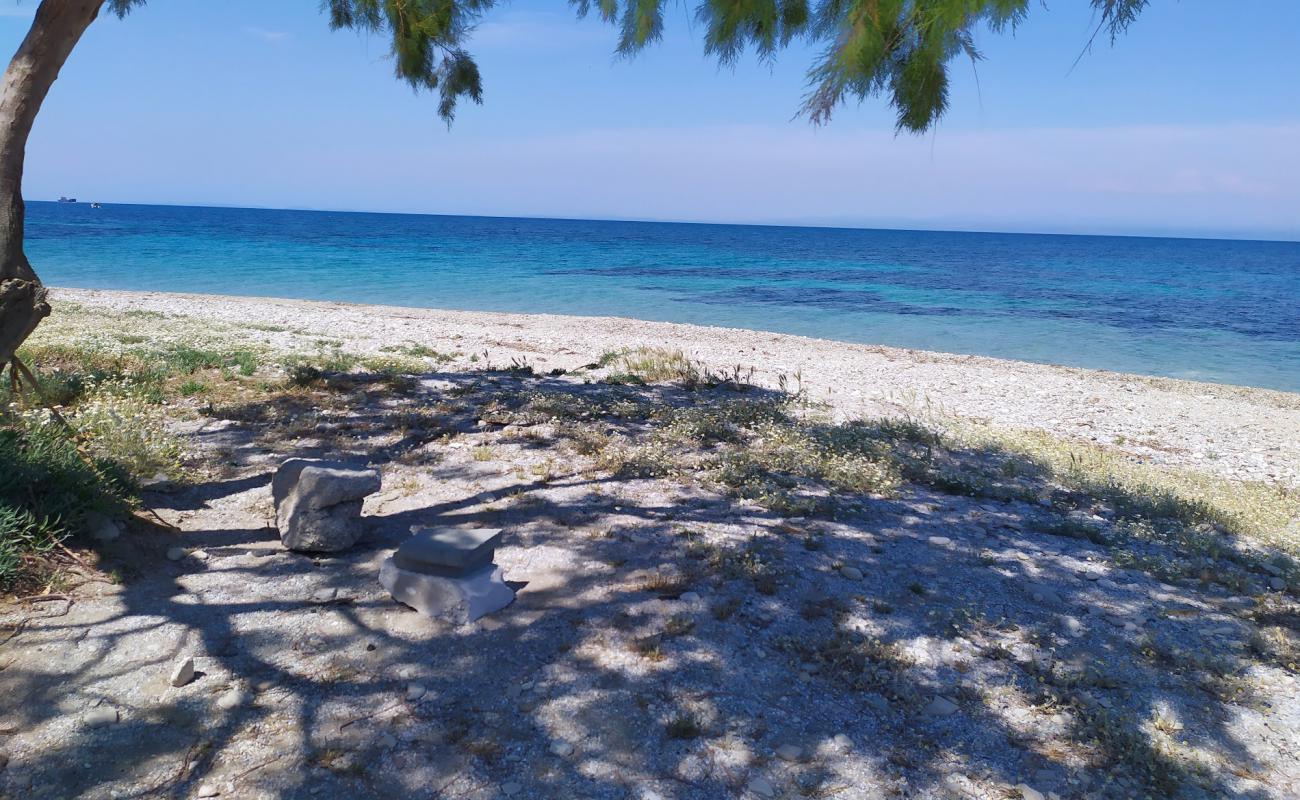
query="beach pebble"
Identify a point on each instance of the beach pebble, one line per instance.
(183, 673)
(102, 528)
(1027, 792)
(789, 752)
(231, 700)
(762, 787)
(851, 573)
(98, 717)
(940, 706)
(562, 749)
(175, 553)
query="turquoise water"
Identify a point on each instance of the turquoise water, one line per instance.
(1209, 310)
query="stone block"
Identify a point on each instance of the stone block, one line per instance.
(455, 599)
(447, 551)
(318, 503)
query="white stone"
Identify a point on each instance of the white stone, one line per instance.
(231, 699)
(1027, 792)
(457, 600)
(940, 707)
(762, 788)
(562, 749)
(415, 691)
(207, 790)
(852, 573)
(183, 673)
(98, 717)
(175, 553)
(102, 528)
(789, 752)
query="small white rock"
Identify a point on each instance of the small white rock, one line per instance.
(789, 752)
(175, 553)
(183, 673)
(231, 700)
(851, 573)
(562, 749)
(1027, 792)
(207, 790)
(762, 787)
(99, 717)
(940, 706)
(415, 691)
(102, 528)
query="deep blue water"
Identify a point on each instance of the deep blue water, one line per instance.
(1226, 311)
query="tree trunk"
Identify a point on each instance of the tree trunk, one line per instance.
(57, 27)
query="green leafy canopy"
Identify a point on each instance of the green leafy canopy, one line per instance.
(898, 49)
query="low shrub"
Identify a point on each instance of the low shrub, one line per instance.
(47, 489)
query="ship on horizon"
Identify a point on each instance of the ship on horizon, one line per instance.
(67, 199)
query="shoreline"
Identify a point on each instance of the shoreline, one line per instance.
(1229, 431)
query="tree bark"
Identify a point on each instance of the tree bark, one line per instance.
(56, 29)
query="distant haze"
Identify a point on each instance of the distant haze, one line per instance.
(236, 104)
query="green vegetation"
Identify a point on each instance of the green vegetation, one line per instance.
(47, 490)
(901, 50)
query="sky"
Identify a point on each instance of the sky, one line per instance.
(1186, 126)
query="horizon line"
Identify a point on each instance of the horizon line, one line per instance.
(651, 221)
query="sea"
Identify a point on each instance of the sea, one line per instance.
(1226, 311)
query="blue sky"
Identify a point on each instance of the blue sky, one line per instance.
(1187, 126)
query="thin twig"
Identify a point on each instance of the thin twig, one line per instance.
(75, 557)
(256, 767)
(36, 598)
(389, 707)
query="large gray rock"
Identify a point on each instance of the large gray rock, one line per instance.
(456, 600)
(318, 503)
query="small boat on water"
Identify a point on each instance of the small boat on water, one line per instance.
(95, 205)
(67, 199)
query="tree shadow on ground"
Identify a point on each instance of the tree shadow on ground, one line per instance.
(974, 628)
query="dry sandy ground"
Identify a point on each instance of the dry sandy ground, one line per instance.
(668, 642)
(1225, 430)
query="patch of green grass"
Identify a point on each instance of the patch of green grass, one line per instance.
(186, 360)
(47, 489)
(192, 387)
(416, 350)
(1187, 509)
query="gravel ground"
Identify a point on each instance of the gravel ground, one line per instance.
(667, 641)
